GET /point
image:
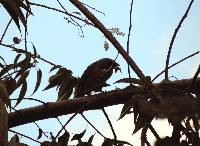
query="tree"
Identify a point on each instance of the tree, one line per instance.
(142, 97)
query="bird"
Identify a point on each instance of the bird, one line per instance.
(95, 76)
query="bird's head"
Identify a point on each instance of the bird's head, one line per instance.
(109, 64)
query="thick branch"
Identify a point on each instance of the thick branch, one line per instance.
(120, 96)
(51, 110)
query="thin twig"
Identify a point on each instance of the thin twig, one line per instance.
(93, 8)
(74, 115)
(175, 64)
(154, 132)
(61, 124)
(27, 98)
(92, 125)
(23, 51)
(111, 126)
(196, 76)
(4, 33)
(50, 8)
(25, 136)
(74, 22)
(129, 34)
(173, 39)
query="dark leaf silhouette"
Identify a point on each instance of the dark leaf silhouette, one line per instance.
(107, 142)
(34, 51)
(78, 136)
(39, 133)
(91, 138)
(22, 92)
(64, 139)
(128, 105)
(55, 67)
(39, 77)
(5, 70)
(111, 142)
(13, 7)
(14, 140)
(66, 89)
(141, 121)
(22, 78)
(16, 59)
(84, 144)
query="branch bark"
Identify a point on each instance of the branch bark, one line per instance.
(98, 101)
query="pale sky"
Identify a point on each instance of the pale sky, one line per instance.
(60, 42)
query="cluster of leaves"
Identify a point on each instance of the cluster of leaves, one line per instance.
(13, 7)
(14, 75)
(164, 101)
(64, 81)
(63, 140)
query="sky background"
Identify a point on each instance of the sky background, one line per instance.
(61, 43)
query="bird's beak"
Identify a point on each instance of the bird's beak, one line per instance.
(116, 67)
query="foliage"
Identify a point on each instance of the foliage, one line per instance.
(171, 100)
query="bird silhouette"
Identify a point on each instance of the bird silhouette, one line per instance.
(95, 76)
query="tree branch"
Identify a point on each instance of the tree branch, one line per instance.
(93, 102)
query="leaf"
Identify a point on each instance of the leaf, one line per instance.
(107, 142)
(91, 138)
(64, 139)
(22, 92)
(26, 62)
(26, 7)
(48, 143)
(40, 132)
(84, 144)
(78, 136)
(14, 140)
(77, 13)
(22, 78)
(34, 51)
(66, 89)
(15, 12)
(5, 70)
(111, 142)
(17, 58)
(130, 80)
(128, 105)
(123, 142)
(142, 120)
(54, 67)
(39, 77)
